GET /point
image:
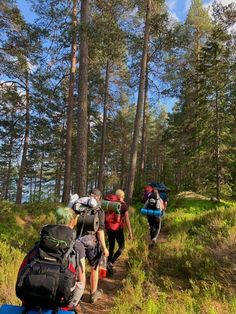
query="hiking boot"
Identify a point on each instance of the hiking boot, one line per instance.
(152, 244)
(95, 296)
(110, 269)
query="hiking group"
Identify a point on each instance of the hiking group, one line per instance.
(52, 275)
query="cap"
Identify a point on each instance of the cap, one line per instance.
(96, 192)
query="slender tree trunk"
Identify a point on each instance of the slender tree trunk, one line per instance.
(218, 172)
(102, 154)
(26, 144)
(137, 124)
(82, 128)
(67, 175)
(31, 189)
(35, 185)
(196, 177)
(144, 130)
(58, 181)
(8, 175)
(40, 178)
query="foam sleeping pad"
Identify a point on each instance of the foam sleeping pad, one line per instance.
(152, 212)
(14, 309)
(111, 206)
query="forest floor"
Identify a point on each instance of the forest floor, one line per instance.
(110, 286)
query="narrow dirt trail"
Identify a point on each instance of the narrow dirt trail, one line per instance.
(110, 287)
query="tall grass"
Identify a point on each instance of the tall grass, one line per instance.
(193, 271)
(19, 230)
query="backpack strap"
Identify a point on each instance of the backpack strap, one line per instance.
(70, 250)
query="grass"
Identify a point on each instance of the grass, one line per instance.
(193, 271)
(19, 230)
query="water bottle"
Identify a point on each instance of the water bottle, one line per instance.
(103, 267)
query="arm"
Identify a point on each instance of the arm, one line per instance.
(146, 204)
(101, 238)
(128, 225)
(160, 204)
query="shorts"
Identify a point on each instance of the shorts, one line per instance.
(93, 251)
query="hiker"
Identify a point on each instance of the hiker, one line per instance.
(93, 241)
(154, 202)
(41, 282)
(115, 231)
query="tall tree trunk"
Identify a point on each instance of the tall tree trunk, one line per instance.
(144, 130)
(31, 189)
(82, 128)
(102, 154)
(26, 144)
(67, 175)
(40, 178)
(137, 124)
(218, 171)
(58, 181)
(8, 175)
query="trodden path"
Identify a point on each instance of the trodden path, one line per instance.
(110, 286)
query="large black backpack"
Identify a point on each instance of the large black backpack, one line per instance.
(47, 280)
(152, 201)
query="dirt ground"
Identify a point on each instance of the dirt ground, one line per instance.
(110, 286)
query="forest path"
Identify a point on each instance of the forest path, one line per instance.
(110, 285)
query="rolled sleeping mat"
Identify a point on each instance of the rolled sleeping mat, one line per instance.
(88, 222)
(111, 206)
(152, 212)
(15, 309)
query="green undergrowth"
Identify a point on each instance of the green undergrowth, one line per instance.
(19, 230)
(193, 270)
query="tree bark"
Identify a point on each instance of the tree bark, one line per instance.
(8, 175)
(82, 126)
(137, 124)
(102, 154)
(218, 172)
(69, 130)
(26, 144)
(40, 178)
(144, 129)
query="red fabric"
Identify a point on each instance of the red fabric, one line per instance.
(28, 258)
(112, 198)
(71, 268)
(148, 188)
(112, 221)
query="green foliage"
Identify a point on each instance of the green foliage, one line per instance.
(193, 271)
(10, 260)
(25, 221)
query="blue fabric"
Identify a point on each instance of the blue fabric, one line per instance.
(152, 212)
(160, 186)
(14, 309)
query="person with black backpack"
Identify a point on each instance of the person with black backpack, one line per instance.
(52, 275)
(90, 231)
(154, 203)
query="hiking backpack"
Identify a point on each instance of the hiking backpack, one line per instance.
(112, 205)
(47, 280)
(146, 192)
(87, 208)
